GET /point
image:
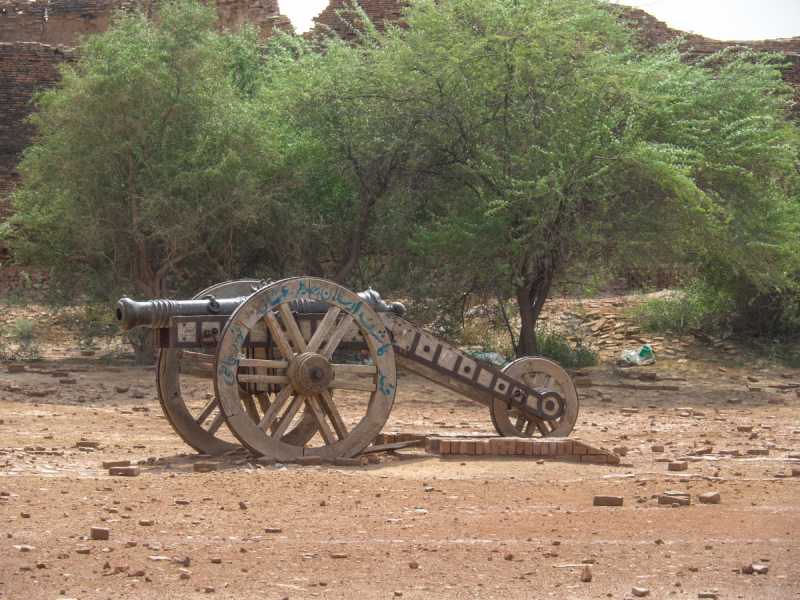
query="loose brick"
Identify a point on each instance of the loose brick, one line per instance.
(348, 462)
(608, 501)
(308, 461)
(99, 533)
(116, 463)
(124, 471)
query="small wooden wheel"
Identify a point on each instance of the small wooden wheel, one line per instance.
(305, 371)
(181, 374)
(537, 373)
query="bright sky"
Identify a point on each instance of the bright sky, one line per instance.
(717, 19)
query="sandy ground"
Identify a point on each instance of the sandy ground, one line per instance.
(490, 528)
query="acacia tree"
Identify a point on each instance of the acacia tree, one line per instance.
(567, 143)
(150, 156)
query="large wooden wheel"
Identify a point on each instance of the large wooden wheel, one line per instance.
(305, 371)
(184, 377)
(537, 373)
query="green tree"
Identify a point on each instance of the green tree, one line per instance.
(548, 138)
(151, 156)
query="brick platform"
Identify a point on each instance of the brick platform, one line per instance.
(559, 448)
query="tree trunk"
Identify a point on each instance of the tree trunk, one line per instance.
(530, 299)
(527, 331)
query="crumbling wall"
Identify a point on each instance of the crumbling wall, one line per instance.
(378, 11)
(66, 21)
(653, 32)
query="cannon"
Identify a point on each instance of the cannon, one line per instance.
(273, 352)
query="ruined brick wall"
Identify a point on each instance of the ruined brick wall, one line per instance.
(65, 21)
(653, 32)
(378, 11)
(25, 68)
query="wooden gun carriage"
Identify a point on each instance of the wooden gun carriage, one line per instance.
(271, 349)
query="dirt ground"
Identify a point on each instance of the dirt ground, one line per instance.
(501, 527)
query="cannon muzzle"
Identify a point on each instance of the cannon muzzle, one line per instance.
(156, 314)
(130, 314)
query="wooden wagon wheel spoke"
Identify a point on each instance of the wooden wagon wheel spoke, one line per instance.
(336, 336)
(292, 329)
(216, 423)
(538, 373)
(207, 410)
(249, 405)
(287, 417)
(277, 334)
(263, 363)
(364, 369)
(319, 418)
(272, 412)
(363, 386)
(325, 327)
(282, 379)
(326, 401)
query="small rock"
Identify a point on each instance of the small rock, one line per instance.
(323, 503)
(206, 467)
(710, 498)
(209, 590)
(711, 595)
(748, 570)
(216, 561)
(744, 428)
(340, 555)
(586, 574)
(99, 533)
(657, 448)
(678, 465)
(121, 389)
(734, 400)
(659, 542)
(398, 594)
(429, 489)
(273, 529)
(413, 565)
(242, 505)
(640, 592)
(266, 461)
(146, 522)
(761, 569)
(509, 557)
(374, 460)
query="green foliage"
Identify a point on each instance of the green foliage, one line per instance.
(94, 322)
(696, 308)
(19, 341)
(151, 155)
(534, 134)
(570, 355)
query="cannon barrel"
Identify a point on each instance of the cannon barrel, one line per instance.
(155, 314)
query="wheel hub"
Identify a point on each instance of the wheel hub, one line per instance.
(310, 373)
